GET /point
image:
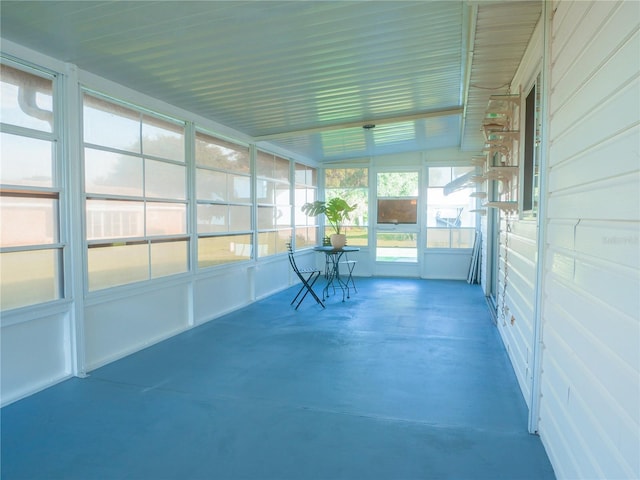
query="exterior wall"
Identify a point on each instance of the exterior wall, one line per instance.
(518, 240)
(590, 388)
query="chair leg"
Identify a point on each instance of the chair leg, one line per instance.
(307, 285)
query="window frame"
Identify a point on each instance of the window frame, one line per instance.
(151, 240)
(60, 290)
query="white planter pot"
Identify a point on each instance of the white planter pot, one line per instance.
(338, 241)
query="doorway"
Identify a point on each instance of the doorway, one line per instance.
(397, 229)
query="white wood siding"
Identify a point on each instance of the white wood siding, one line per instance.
(590, 404)
(518, 253)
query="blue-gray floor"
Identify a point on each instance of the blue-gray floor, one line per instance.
(406, 380)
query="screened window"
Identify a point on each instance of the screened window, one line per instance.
(136, 196)
(31, 246)
(450, 220)
(223, 192)
(273, 198)
(351, 184)
(306, 190)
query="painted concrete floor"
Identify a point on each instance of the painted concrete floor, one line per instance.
(406, 380)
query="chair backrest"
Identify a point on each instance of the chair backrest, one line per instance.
(292, 259)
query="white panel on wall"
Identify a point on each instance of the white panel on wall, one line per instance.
(121, 326)
(224, 292)
(590, 385)
(275, 275)
(446, 265)
(45, 361)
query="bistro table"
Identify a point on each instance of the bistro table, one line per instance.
(332, 270)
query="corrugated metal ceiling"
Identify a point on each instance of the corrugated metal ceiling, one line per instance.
(302, 75)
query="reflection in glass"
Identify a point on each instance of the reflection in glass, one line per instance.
(114, 265)
(162, 139)
(114, 219)
(212, 218)
(169, 258)
(27, 99)
(164, 180)
(225, 249)
(26, 161)
(396, 247)
(216, 153)
(30, 277)
(211, 185)
(112, 173)
(110, 125)
(166, 218)
(28, 221)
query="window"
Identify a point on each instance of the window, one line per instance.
(351, 184)
(136, 197)
(306, 190)
(223, 192)
(450, 221)
(273, 198)
(31, 246)
(530, 166)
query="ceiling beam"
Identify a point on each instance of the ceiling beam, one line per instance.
(378, 121)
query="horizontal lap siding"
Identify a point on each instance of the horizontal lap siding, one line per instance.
(515, 302)
(589, 411)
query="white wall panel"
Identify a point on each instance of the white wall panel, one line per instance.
(275, 275)
(590, 383)
(121, 326)
(446, 265)
(221, 293)
(45, 361)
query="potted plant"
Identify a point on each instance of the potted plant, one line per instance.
(337, 211)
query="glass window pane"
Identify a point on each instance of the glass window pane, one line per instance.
(397, 247)
(212, 218)
(438, 238)
(112, 173)
(239, 188)
(26, 161)
(164, 180)
(398, 184)
(211, 185)
(111, 125)
(462, 237)
(265, 164)
(117, 265)
(239, 218)
(213, 152)
(305, 175)
(265, 191)
(114, 219)
(26, 100)
(267, 244)
(439, 176)
(220, 250)
(347, 177)
(266, 217)
(28, 221)
(281, 169)
(30, 277)
(306, 237)
(283, 216)
(357, 236)
(166, 218)
(169, 258)
(162, 139)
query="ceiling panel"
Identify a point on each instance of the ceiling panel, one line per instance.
(296, 71)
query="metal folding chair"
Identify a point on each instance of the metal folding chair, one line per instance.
(308, 277)
(350, 264)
